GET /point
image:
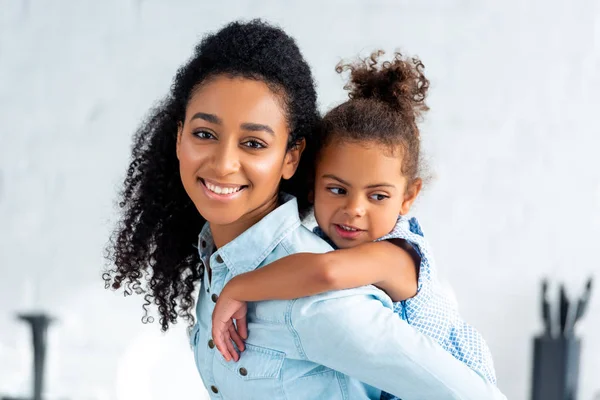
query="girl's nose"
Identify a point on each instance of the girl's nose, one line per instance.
(354, 207)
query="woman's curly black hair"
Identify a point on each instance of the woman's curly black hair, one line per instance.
(152, 248)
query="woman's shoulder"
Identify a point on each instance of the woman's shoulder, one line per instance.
(303, 240)
(340, 305)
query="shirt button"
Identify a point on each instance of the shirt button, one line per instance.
(211, 344)
(219, 259)
(203, 244)
(214, 389)
(214, 298)
(243, 371)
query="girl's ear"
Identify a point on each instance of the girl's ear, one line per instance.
(410, 196)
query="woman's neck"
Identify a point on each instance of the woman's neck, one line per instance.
(223, 234)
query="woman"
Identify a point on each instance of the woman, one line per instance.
(219, 155)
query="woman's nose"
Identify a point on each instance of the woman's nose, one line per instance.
(226, 160)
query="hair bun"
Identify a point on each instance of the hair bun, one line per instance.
(399, 83)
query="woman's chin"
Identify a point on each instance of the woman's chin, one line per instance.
(219, 217)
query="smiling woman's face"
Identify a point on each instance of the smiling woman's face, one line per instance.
(232, 151)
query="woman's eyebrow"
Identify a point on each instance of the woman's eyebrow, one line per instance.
(247, 126)
(250, 126)
(213, 119)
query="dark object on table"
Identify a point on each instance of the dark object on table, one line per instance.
(556, 357)
(582, 304)
(546, 310)
(555, 368)
(563, 303)
(39, 327)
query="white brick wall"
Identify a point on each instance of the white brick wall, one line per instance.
(512, 138)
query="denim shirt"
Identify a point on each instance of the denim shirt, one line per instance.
(345, 344)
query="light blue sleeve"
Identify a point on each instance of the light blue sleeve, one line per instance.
(356, 332)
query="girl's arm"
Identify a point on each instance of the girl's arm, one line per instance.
(389, 265)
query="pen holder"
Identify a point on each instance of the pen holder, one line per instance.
(555, 368)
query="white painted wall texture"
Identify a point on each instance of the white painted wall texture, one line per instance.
(512, 140)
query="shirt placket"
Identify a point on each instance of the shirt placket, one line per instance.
(208, 297)
(206, 346)
(202, 345)
(219, 271)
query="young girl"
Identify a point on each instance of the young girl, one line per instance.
(366, 180)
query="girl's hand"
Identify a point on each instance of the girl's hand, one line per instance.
(224, 331)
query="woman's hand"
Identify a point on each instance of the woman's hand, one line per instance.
(224, 331)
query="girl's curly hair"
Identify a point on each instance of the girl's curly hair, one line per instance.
(386, 99)
(152, 248)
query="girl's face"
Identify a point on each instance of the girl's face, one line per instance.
(232, 151)
(359, 192)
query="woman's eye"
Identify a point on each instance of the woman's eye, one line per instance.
(254, 144)
(204, 135)
(378, 197)
(336, 190)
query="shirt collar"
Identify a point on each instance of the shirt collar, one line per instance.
(249, 250)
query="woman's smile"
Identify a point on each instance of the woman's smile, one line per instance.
(220, 191)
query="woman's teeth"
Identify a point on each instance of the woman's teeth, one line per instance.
(222, 190)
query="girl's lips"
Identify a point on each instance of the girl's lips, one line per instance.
(220, 196)
(344, 234)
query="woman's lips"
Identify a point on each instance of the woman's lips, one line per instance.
(220, 191)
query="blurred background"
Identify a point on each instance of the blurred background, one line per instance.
(512, 142)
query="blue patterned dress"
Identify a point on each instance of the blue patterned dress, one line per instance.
(432, 312)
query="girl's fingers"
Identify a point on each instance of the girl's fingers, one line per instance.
(220, 336)
(232, 350)
(236, 338)
(220, 345)
(242, 327)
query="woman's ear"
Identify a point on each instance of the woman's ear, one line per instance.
(179, 133)
(410, 196)
(292, 159)
(311, 197)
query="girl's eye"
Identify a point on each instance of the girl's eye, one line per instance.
(379, 197)
(254, 144)
(204, 135)
(336, 190)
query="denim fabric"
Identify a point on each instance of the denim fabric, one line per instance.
(345, 344)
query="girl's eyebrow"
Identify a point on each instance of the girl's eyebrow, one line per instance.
(372, 186)
(378, 185)
(340, 180)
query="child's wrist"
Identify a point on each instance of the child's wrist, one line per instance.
(231, 289)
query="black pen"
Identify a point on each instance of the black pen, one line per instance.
(546, 309)
(582, 304)
(564, 310)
